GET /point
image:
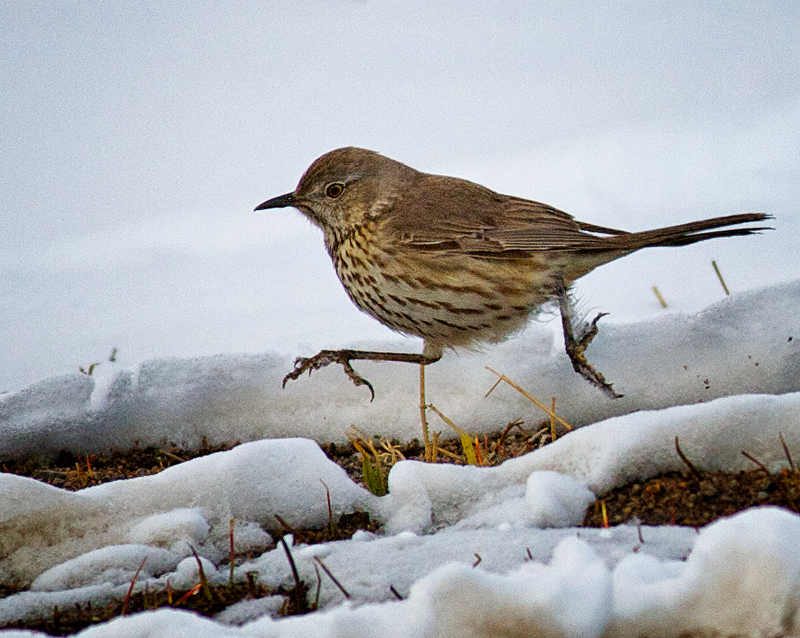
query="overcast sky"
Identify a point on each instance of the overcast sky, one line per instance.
(138, 136)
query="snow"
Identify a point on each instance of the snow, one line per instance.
(556, 500)
(674, 360)
(139, 139)
(472, 550)
(730, 561)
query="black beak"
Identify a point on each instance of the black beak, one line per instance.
(282, 201)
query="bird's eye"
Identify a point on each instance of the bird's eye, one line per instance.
(334, 190)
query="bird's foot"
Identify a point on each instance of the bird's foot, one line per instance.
(325, 358)
(576, 349)
(585, 332)
(578, 334)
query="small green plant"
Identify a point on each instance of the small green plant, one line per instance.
(89, 370)
(371, 467)
(466, 440)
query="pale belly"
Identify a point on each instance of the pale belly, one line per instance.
(449, 299)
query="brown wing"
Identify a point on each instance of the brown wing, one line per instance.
(450, 214)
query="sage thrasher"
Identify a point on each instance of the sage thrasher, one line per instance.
(455, 263)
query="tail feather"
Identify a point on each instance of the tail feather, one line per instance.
(685, 234)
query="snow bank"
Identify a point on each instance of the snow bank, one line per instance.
(745, 344)
(472, 550)
(743, 578)
(192, 503)
(454, 536)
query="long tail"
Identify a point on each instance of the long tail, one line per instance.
(682, 234)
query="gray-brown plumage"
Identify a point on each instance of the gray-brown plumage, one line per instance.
(454, 262)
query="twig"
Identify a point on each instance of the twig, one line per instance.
(757, 462)
(319, 587)
(286, 525)
(786, 452)
(395, 592)
(528, 552)
(515, 423)
(332, 577)
(295, 575)
(330, 509)
(689, 464)
(175, 457)
(232, 555)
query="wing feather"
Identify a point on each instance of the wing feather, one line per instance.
(455, 215)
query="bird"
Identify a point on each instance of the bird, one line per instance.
(456, 263)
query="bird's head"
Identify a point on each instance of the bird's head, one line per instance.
(346, 187)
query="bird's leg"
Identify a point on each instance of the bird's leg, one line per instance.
(423, 406)
(578, 334)
(344, 357)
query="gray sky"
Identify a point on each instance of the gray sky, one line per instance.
(138, 136)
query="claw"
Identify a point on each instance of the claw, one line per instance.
(323, 359)
(575, 351)
(357, 379)
(585, 369)
(589, 331)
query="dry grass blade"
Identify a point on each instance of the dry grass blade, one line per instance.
(188, 594)
(466, 439)
(287, 528)
(527, 395)
(659, 297)
(319, 588)
(517, 423)
(290, 558)
(719, 276)
(394, 452)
